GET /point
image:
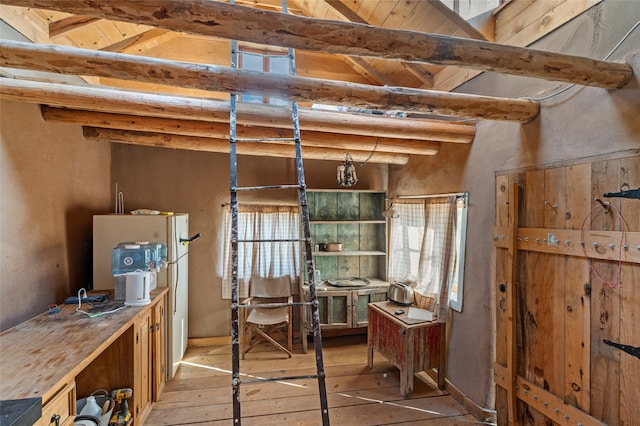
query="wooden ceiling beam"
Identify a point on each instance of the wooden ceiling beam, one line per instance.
(219, 19)
(149, 104)
(70, 23)
(343, 10)
(358, 63)
(221, 131)
(139, 43)
(365, 69)
(69, 60)
(421, 73)
(414, 68)
(260, 149)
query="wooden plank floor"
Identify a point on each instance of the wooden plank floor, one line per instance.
(201, 394)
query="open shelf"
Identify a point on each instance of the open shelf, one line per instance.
(350, 253)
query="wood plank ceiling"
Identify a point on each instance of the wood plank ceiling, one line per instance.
(116, 106)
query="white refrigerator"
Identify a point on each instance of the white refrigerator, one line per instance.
(109, 230)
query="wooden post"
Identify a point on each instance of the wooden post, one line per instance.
(219, 19)
(511, 274)
(69, 60)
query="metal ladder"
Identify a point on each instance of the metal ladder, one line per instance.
(312, 301)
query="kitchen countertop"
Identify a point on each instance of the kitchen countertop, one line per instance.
(40, 355)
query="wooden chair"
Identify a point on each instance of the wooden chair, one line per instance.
(267, 324)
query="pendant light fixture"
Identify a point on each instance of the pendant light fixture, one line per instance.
(346, 174)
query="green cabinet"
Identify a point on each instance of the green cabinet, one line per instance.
(353, 219)
(342, 308)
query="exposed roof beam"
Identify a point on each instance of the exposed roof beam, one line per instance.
(68, 60)
(358, 63)
(272, 28)
(149, 104)
(139, 43)
(261, 149)
(368, 71)
(422, 74)
(221, 130)
(70, 23)
(343, 10)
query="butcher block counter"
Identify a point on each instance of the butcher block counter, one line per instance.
(66, 355)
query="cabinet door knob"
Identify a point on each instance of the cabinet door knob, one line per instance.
(55, 419)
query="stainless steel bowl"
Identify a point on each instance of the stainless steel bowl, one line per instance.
(401, 293)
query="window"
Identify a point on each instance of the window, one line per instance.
(427, 245)
(265, 259)
(277, 64)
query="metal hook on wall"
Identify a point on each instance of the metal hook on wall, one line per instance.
(605, 205)
(554, 207)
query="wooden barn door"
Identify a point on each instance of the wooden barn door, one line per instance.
(559, 254)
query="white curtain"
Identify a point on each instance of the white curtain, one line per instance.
(267, 259)
(423, 248)
(407, 231)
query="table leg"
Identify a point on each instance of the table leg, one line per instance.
(407, 375)
(370, 355)
(441, 364)
(406, 382)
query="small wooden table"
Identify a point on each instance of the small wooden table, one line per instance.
(410, 345)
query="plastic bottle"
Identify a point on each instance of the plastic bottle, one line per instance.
(91, 408)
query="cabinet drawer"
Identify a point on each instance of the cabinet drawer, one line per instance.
(334, 309)
(62, 405)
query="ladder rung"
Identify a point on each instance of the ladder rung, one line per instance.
(278, 379)
(265, 139)
(273, 305)
(257, 188)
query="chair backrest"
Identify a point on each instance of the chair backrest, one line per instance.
(270, 287)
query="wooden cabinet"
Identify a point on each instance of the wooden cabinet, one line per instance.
(142, 368)
(159, 350)
(342, 308)
(61, 409)
(149, 359)
(124, 349)
(354, 219)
